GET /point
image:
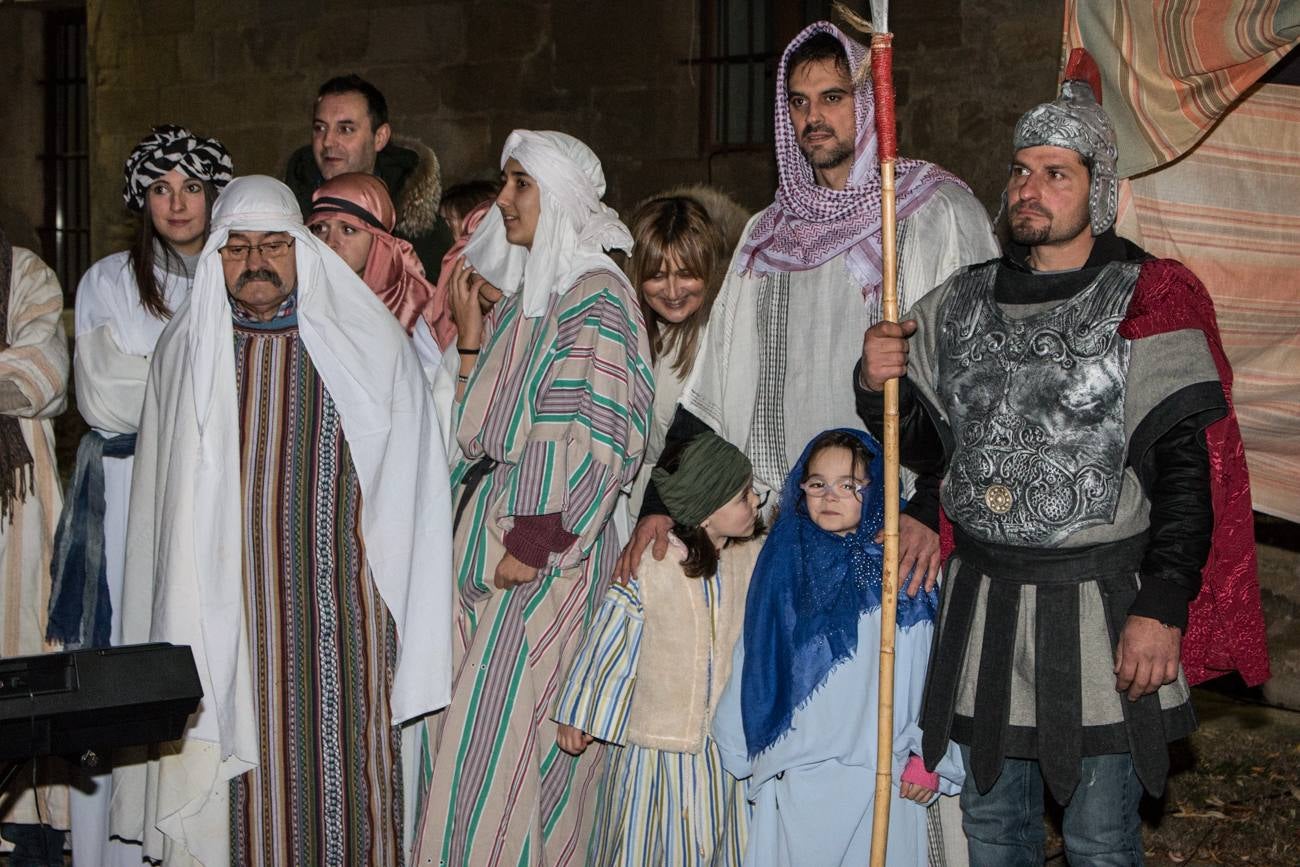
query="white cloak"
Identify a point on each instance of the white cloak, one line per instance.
(184, 578)
(115, 340)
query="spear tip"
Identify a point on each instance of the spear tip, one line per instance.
(880, 15)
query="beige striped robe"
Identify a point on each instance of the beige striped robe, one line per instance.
(33, 375)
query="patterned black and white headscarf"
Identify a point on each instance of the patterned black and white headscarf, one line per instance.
(174, 147)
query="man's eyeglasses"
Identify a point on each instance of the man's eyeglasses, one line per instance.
(840, 489)
(267, 250)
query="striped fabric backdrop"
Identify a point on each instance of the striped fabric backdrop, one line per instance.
(1225, 202)
(1171, 68)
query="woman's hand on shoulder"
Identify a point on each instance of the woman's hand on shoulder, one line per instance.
(650, 529)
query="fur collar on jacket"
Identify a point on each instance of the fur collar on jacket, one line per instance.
(418, 189)
(727, 214)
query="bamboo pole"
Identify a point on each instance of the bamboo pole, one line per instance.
(882, 80)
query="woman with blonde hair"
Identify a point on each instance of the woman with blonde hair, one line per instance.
(677, 267)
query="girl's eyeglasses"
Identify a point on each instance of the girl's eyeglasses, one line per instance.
(840, 489)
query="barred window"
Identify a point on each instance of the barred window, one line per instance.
(742, 41)
(65, 234)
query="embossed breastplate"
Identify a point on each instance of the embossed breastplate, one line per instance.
(1037, 409)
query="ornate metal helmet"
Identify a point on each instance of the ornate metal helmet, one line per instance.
(1075, 120)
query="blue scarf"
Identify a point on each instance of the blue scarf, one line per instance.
(809, 590)
(81, 611)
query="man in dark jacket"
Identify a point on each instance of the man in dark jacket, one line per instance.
(350, 133)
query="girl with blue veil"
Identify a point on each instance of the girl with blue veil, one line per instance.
(797, 720)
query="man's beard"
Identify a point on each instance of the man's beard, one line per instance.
(825, 159)
(1028, 234)
(265, 274)
(1031, 234)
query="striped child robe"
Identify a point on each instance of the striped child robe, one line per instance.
(646, 682)
(559, 405)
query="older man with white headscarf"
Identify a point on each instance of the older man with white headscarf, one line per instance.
(290, 520)
(552, 427)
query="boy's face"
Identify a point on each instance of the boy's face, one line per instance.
(736, 518)
(834, 504)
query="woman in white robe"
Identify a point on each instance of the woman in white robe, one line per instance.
(123, 303)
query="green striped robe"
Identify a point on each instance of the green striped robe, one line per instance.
(562, 403)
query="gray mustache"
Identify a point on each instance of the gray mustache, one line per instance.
(265, 274)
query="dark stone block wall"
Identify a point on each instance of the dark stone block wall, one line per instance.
(965, 71)
(22, 125)
(461, 75)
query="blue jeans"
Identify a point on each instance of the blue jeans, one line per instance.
(1004, 827)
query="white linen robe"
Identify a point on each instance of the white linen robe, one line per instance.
(795, 337)
(184, 580)
(115, 339)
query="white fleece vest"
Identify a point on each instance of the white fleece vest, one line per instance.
(675, 695)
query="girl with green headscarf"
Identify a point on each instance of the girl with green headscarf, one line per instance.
(653, 663)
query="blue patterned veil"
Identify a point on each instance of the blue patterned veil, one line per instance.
(809, 590)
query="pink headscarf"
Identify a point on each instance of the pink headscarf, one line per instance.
(809, 225)
(442, 292)
(393, 271)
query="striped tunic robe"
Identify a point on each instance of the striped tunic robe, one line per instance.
(327, 789)
(561, 404)
(646, 682)
(34, 377)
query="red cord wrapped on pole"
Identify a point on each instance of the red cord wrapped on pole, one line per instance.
(882, 82)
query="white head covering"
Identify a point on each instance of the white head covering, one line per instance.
(573, 230)
(367, 364)
(255, 203)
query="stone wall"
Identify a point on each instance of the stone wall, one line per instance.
(965, 71)
(22, 130)
(461, 75)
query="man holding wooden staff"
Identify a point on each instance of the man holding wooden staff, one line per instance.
(805, 283)
(1075, 397)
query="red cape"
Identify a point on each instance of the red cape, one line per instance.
(1225, 623)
